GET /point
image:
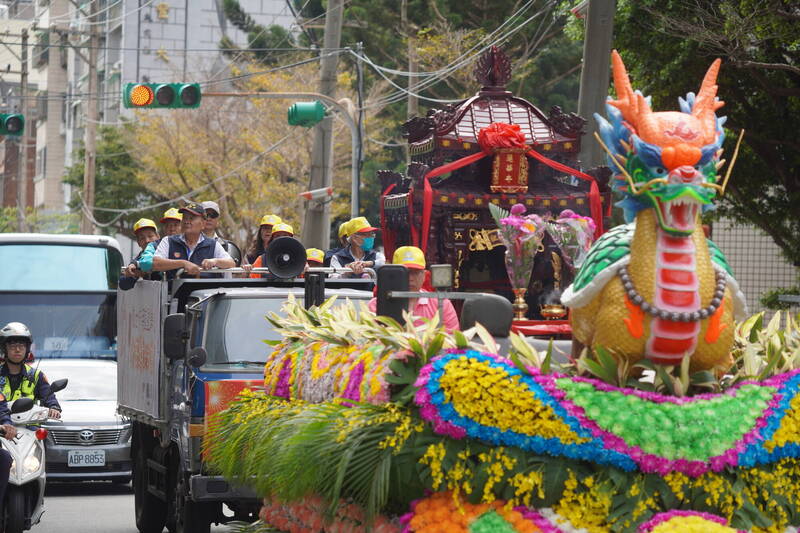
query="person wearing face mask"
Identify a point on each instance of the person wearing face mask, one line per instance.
(359, 253)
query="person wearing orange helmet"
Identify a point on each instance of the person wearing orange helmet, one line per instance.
(423, 307)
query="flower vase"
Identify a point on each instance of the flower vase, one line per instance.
(520, 306)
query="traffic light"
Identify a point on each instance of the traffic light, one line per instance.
(12, 124)
(161, 95)
(306, 114)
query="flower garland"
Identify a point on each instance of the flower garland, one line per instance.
(442, 513)
(310, 514)
(685, 521)
(318, 372)
(486, 397)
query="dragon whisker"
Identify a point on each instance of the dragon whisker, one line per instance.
(631, 183)
(733, 161)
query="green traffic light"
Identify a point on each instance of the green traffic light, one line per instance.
(161, 95)
(306, 114)
(12, 124)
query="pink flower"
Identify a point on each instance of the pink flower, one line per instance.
(517, 209)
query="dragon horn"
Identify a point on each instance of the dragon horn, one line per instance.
(626, 101)
(706, 104)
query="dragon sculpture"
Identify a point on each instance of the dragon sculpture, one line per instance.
(656, 287)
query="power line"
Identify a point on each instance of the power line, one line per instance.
(188, 195)
(140, 49)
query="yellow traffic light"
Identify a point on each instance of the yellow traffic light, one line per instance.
(141, 95)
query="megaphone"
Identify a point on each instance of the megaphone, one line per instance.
(286, 257)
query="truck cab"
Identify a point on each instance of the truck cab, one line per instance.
(186, 349)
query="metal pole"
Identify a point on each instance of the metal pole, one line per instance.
(25, 141)
(343, 112)
(90, 131)
(595, 74)
(317, 226)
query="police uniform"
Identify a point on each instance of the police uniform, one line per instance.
(5, 456)
(30, 383)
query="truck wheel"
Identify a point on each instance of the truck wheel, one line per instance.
(15, 510)
(151, 512)
(189, 516)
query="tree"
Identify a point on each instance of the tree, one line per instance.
(116, 183)
(759, 44)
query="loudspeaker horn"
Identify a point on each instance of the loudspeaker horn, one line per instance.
(286, 257)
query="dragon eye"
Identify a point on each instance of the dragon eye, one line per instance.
(660, 171)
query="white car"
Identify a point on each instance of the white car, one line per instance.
(91, 441)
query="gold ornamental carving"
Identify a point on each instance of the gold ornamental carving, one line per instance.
(483, 239)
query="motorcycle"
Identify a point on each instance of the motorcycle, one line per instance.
(23, 504)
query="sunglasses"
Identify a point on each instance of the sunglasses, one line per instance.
(212, 214)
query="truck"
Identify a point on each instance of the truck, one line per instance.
(64, 288)
(186, 348)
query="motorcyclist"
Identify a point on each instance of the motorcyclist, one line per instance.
(17, 378)
(9, 432)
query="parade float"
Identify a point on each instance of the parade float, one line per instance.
(675, 418)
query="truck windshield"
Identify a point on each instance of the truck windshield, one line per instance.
(237, 329)
(65, 324)
(58, 267)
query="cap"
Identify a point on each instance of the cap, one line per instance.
(360, 225)
(193, 208)
(171, 214)
(315, 254)
(344, 229)
(282, 227)
(211, 205)
(143, 223)
(410, 257)
(270, 220)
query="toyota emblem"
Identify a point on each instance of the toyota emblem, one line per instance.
(86, 436)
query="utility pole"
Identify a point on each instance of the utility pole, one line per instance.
(413, 101)
(90, 131)
(317, 224)
(25, 141)
(595, 74)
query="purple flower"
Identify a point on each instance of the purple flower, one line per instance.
(517, 209)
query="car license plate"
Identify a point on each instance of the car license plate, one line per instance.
(86, 458)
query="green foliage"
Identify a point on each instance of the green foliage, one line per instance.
(38, 221)
(116, 183)
(258, 36)
(771, 299)
(761, 351)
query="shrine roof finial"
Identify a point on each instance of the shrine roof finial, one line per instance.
(493, 69)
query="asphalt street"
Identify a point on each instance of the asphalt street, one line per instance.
(90, 508)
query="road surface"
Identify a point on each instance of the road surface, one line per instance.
(90, 508)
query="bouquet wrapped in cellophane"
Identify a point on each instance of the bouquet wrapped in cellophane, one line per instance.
(522, 236)
(573, 234)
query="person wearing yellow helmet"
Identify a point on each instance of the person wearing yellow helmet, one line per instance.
(359, 252)
(423, 307)
(145, 232)
(344, 233)
(262, 238)
(171, 222)
(279, 230)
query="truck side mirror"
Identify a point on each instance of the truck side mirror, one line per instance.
(174, 336)
(21, 405)
(197, 357)
(392, 278)
(58, 385)
(490, 310)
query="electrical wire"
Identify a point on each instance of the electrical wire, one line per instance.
(140, 49)
(402, 92)
(185, 196)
